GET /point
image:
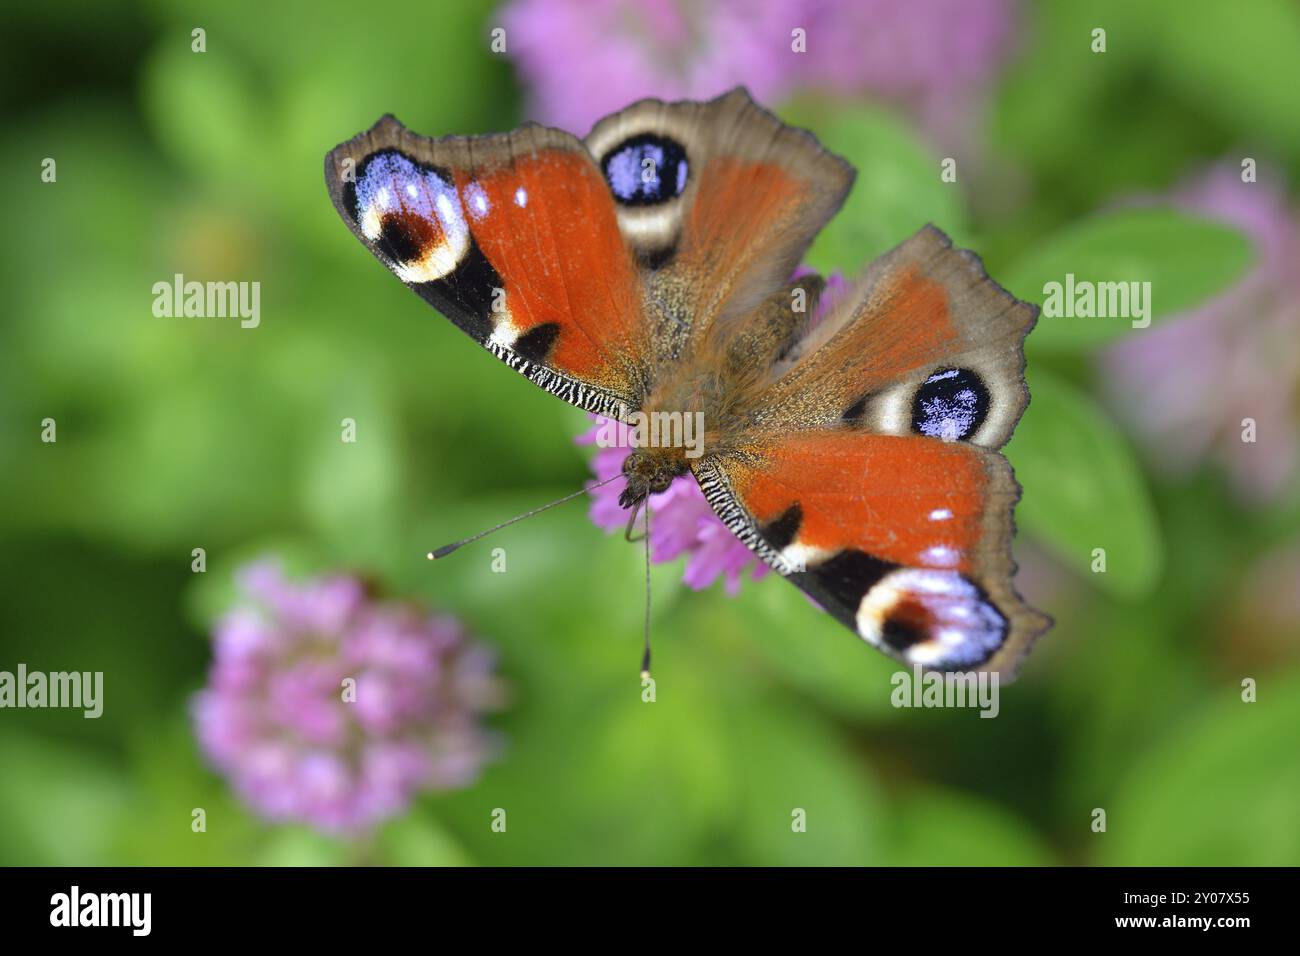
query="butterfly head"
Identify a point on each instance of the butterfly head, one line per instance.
(650, 471)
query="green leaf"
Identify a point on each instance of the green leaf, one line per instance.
(1083, 489)
(807, 648)
(804, 799)
(1185, 259)
(933, 827)
(354, 475)
(1222, 790)
(59, 805)
(302, 846)
(657, 779)
(1240, 71)
(415, 840)
(173, 779)
(205, 110)
(897, 191)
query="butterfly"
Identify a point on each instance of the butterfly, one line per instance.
(649, 269)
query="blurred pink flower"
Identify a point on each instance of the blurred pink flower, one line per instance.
(582, 60)
(681, 521)
(1187, 385)
(298, 744)
(934, 57)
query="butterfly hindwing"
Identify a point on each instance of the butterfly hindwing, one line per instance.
(870, 476)
(924, 343)
(905, 540)
(719, 200)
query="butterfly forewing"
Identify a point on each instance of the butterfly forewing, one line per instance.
(514, 238)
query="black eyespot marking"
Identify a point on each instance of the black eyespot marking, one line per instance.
(403, 236)
(853, 414)
(656, 258)
(849, 575)
(535, 344)
(781, 531)
(646, 170)
(941, 618)
(900, 633)
(466, 296)
(951, 404)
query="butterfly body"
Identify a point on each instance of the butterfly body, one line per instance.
(647, 273)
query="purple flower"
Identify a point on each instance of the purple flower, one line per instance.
(1187, 385)
(906, 49)
(681, 521)
(582, 60)
(933, 57)
(326, 707)
(834, 290)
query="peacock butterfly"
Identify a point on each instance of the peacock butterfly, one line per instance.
(648, 268)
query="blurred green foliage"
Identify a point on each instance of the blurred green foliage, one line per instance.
(176, 434)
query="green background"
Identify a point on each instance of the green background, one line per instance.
(184, 433)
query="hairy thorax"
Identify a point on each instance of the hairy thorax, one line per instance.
(695, 413)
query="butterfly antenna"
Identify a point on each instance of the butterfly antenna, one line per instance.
(447, 549)
(645, 657)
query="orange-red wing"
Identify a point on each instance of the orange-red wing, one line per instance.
(547, 226)
(924, 323)
(585, 265)
(905, 539)
(515, 238)
(738, 197)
